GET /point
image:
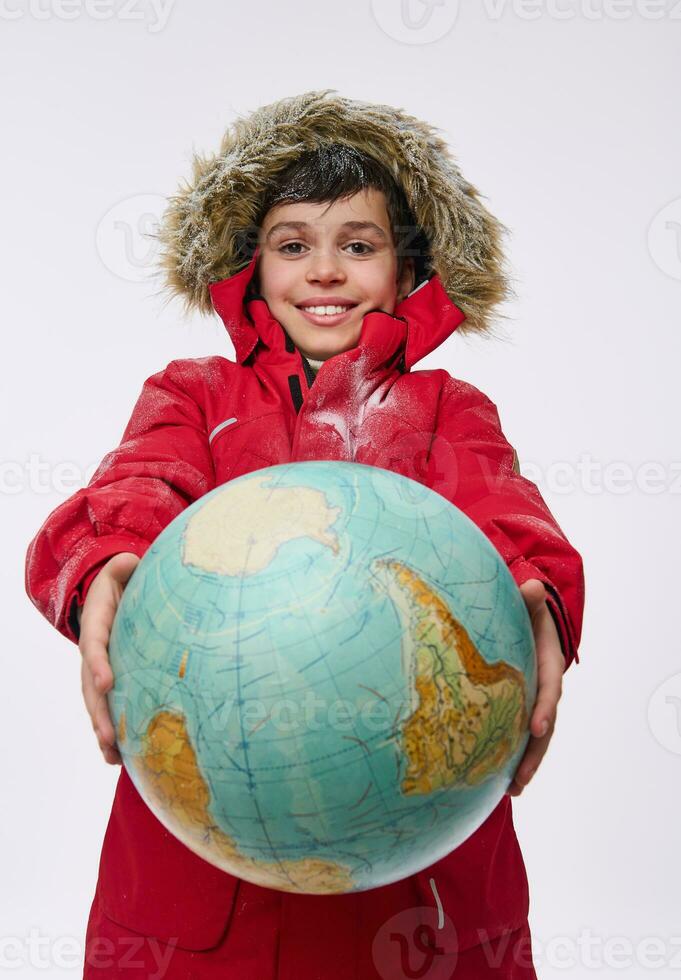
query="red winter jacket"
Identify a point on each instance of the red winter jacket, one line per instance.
(201, 422)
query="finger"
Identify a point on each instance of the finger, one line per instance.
(121, 566)
(545, 711)
(534, 594)
(95, 655)
(528, 765)
(109, 750)
(110, 753)
(550, 670)
(536, 750)
(94, 639)
(98, 615)
(92, 697)
(97, 709)
(90, 693)
(103, 723)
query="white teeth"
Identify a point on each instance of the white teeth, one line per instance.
(325, 310)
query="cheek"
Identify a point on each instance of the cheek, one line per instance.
(275, 280)
(379, 279)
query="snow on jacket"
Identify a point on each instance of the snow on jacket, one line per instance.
(201, 422)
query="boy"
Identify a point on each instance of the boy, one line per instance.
(339, 244)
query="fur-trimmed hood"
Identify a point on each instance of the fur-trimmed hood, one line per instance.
(201, 227)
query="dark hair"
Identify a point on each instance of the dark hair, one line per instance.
(334, 171)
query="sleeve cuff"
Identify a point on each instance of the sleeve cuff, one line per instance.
(522, 570)
(103, 549)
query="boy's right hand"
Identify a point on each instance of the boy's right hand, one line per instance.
(96, 620)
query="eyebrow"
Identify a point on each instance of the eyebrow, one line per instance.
(351, 225)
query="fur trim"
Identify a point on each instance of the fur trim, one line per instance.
(199, 229)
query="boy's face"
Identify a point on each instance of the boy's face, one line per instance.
(311, 255)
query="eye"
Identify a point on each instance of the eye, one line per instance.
(284, 248)
(363, 245)
(295, 248)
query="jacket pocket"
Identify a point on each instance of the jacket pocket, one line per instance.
(153, 884)
(252, 444)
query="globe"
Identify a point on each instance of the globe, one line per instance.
(323, 676)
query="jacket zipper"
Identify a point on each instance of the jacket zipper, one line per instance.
(294, 385)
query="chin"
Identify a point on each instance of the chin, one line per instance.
(324, 355)
(335, 343)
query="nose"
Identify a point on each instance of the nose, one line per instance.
(325, 267)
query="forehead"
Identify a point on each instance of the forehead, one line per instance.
(368, 205)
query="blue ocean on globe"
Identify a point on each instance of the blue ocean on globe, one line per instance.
(323, 677)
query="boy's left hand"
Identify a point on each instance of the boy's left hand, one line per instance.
(550, 670)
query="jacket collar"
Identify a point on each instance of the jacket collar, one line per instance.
(421, 322)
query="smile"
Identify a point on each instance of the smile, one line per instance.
(326, 316)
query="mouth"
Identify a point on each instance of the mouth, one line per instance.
(321, 318)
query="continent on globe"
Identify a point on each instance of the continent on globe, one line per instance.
(240, 532)
(468, 716)
(171, 777)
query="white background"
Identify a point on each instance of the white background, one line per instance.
(565, 117)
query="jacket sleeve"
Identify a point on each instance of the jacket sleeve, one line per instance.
(162, 464)
(482, 478)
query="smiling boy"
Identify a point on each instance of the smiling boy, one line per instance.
(370, 249)
(339, 255)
